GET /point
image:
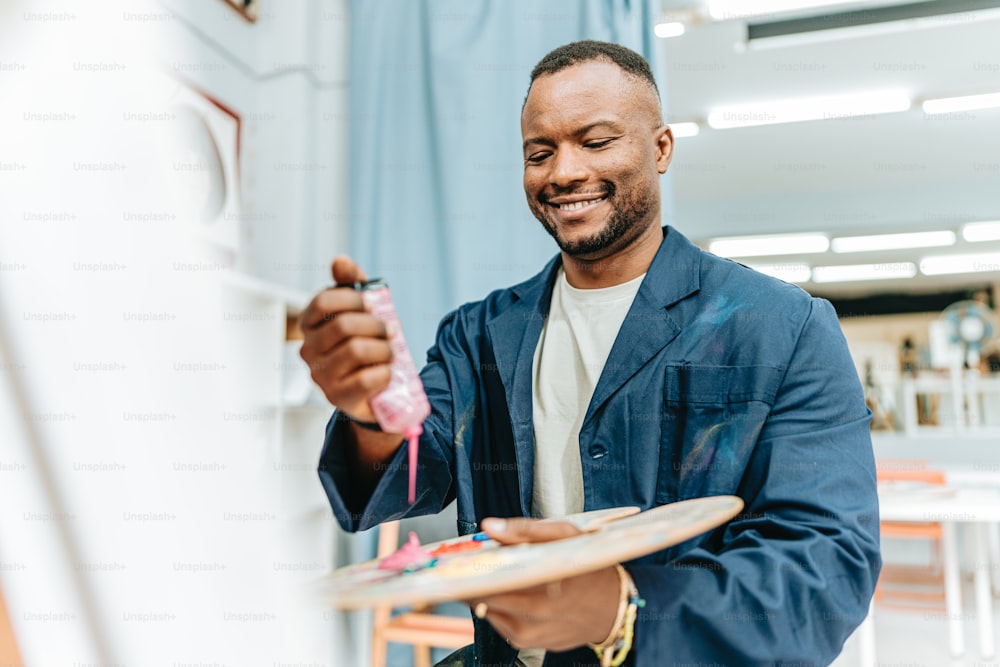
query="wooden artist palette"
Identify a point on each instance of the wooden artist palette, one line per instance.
(615, 535)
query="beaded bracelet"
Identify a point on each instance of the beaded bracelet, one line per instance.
(613, 651)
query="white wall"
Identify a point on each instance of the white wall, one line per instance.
(155, 508)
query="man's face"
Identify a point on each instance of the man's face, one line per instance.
(594, 147)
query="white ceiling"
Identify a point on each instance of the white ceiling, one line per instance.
(895, 172)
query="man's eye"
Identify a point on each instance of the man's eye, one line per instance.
(598, 143)
(535, 158)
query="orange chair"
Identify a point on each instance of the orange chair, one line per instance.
(419, 627)
(911, 586)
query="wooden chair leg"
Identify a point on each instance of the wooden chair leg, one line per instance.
(421, 655)
(388, 538)
(380, 650)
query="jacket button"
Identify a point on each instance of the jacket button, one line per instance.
(597, 451)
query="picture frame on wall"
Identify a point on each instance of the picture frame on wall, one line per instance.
(206, 159)
(247, 8)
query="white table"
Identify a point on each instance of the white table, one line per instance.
(977, 508)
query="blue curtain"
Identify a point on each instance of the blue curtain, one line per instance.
(437, 205)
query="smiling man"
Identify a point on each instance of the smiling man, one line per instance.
(635, 369)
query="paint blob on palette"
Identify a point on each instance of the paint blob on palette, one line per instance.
(406, 561)
(466, 567)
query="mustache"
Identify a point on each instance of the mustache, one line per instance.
(607, 190)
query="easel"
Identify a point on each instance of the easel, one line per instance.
(25, 437)
(9, 655)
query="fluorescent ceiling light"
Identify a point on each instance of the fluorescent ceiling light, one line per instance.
(813, 38)
(790, 273)
(670, 29)
(866, 20)
(966, 103)
(759, 246)
(853, 272)
(974, 232)
(971, 263)
(836, 107)
(722, 10)
(892, 241)
(684, 129)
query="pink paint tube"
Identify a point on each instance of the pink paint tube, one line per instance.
(401, 407)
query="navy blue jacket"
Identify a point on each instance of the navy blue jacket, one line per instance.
(721, 381)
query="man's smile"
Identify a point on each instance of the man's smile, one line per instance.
(576, 206)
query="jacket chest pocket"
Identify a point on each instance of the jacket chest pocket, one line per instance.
(712, 416)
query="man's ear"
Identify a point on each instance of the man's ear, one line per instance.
(664, 147)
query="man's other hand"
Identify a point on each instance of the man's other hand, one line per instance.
(557, 616)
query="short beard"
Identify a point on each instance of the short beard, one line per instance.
(624, 224)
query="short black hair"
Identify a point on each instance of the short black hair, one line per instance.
(589, 50)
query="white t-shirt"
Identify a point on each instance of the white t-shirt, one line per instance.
(574, 346)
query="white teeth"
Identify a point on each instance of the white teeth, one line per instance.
(578, 204)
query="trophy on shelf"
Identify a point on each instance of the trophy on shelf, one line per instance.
(911, 364)
(877, 401)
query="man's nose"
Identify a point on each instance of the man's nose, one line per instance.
(568, 167)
